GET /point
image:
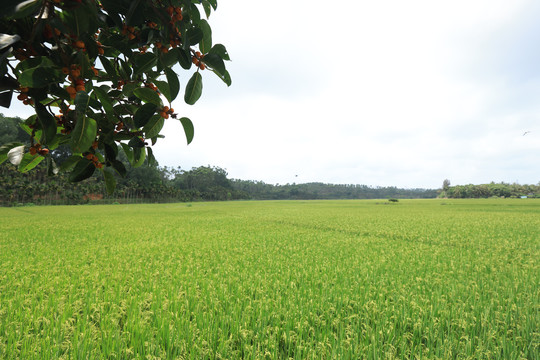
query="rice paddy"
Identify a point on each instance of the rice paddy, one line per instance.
(427, 279)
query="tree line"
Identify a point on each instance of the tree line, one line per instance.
(153, 183)
(501, 190)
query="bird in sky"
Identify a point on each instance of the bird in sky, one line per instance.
(526, 132)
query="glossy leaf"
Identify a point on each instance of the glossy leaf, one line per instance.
(164, 88)
(148, 95)
(207, 8)
(144, 63)
(225, 77)
(215, 62)
(48, 124)
(143, 114)
(110, 181)
(193, 89)
(119, 167)
(213, 3)
(220, 50)
(69, 163)
(128, 151)
(174, 84)
(83, 135)
(184, 59)
(109, 68)
(105, 100)
(150, 159)
(153, 127)
(139, 155)
(189, 130)
(195, 35)
(206, 42)
(136, 142)
(29, 162)
(39, 77)
(82, 170)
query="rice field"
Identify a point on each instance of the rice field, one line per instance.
(433, 279)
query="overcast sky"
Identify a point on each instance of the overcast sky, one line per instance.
(388, 93)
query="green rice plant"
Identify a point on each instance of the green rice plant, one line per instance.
(272, 280)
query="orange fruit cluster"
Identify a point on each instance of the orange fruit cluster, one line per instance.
(197, 60)
(165, 112)
(23, 96)
(94, 160)
(129, 31)
(62, 121)
(119, 127)
(175, 13)
(120, 84)
(151, 86)
(100, 48)
(36, 149)
(79, 44)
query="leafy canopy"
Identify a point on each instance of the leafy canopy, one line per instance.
(98, 74)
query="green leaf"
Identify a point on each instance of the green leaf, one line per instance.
(110, 181)
(153, 127)
(148, 95)
(207, 8)
(85, 131)
(119, 167)
(81, 102)
(124, 69)
(109, 68)
(144, 62)
(83, 170)
(143, 114)
(206, 42)
(225, 77)
(193, 89)
(39, 77)
(184, 59)
(29, 162)
(215, 62)
(111, 150)
(188, 129)
(195, 35)
(151, 159)
(164, 88)
(213, 3)
(69, 163)
(128, 150)
(83, 135)
(220, 50)
(139, 154)
(136, 142)
(48, 124)
(174, 84)
(105, 100)
(128, 89)
(136, 13)
(170, 58)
